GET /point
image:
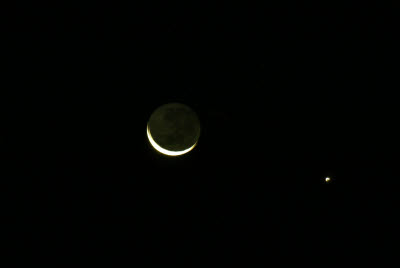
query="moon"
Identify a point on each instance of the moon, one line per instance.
(173, 129)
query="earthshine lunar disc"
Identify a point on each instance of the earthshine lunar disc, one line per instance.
(173, 129)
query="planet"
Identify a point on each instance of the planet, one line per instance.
(173, 129)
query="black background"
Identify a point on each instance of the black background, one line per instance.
(287, 95)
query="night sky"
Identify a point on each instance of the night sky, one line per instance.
(287, 95)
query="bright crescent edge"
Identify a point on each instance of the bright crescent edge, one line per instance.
(164, 151)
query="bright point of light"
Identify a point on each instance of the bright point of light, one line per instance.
(327, 179)
(164, 151)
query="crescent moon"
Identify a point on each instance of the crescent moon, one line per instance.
(164, 151)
